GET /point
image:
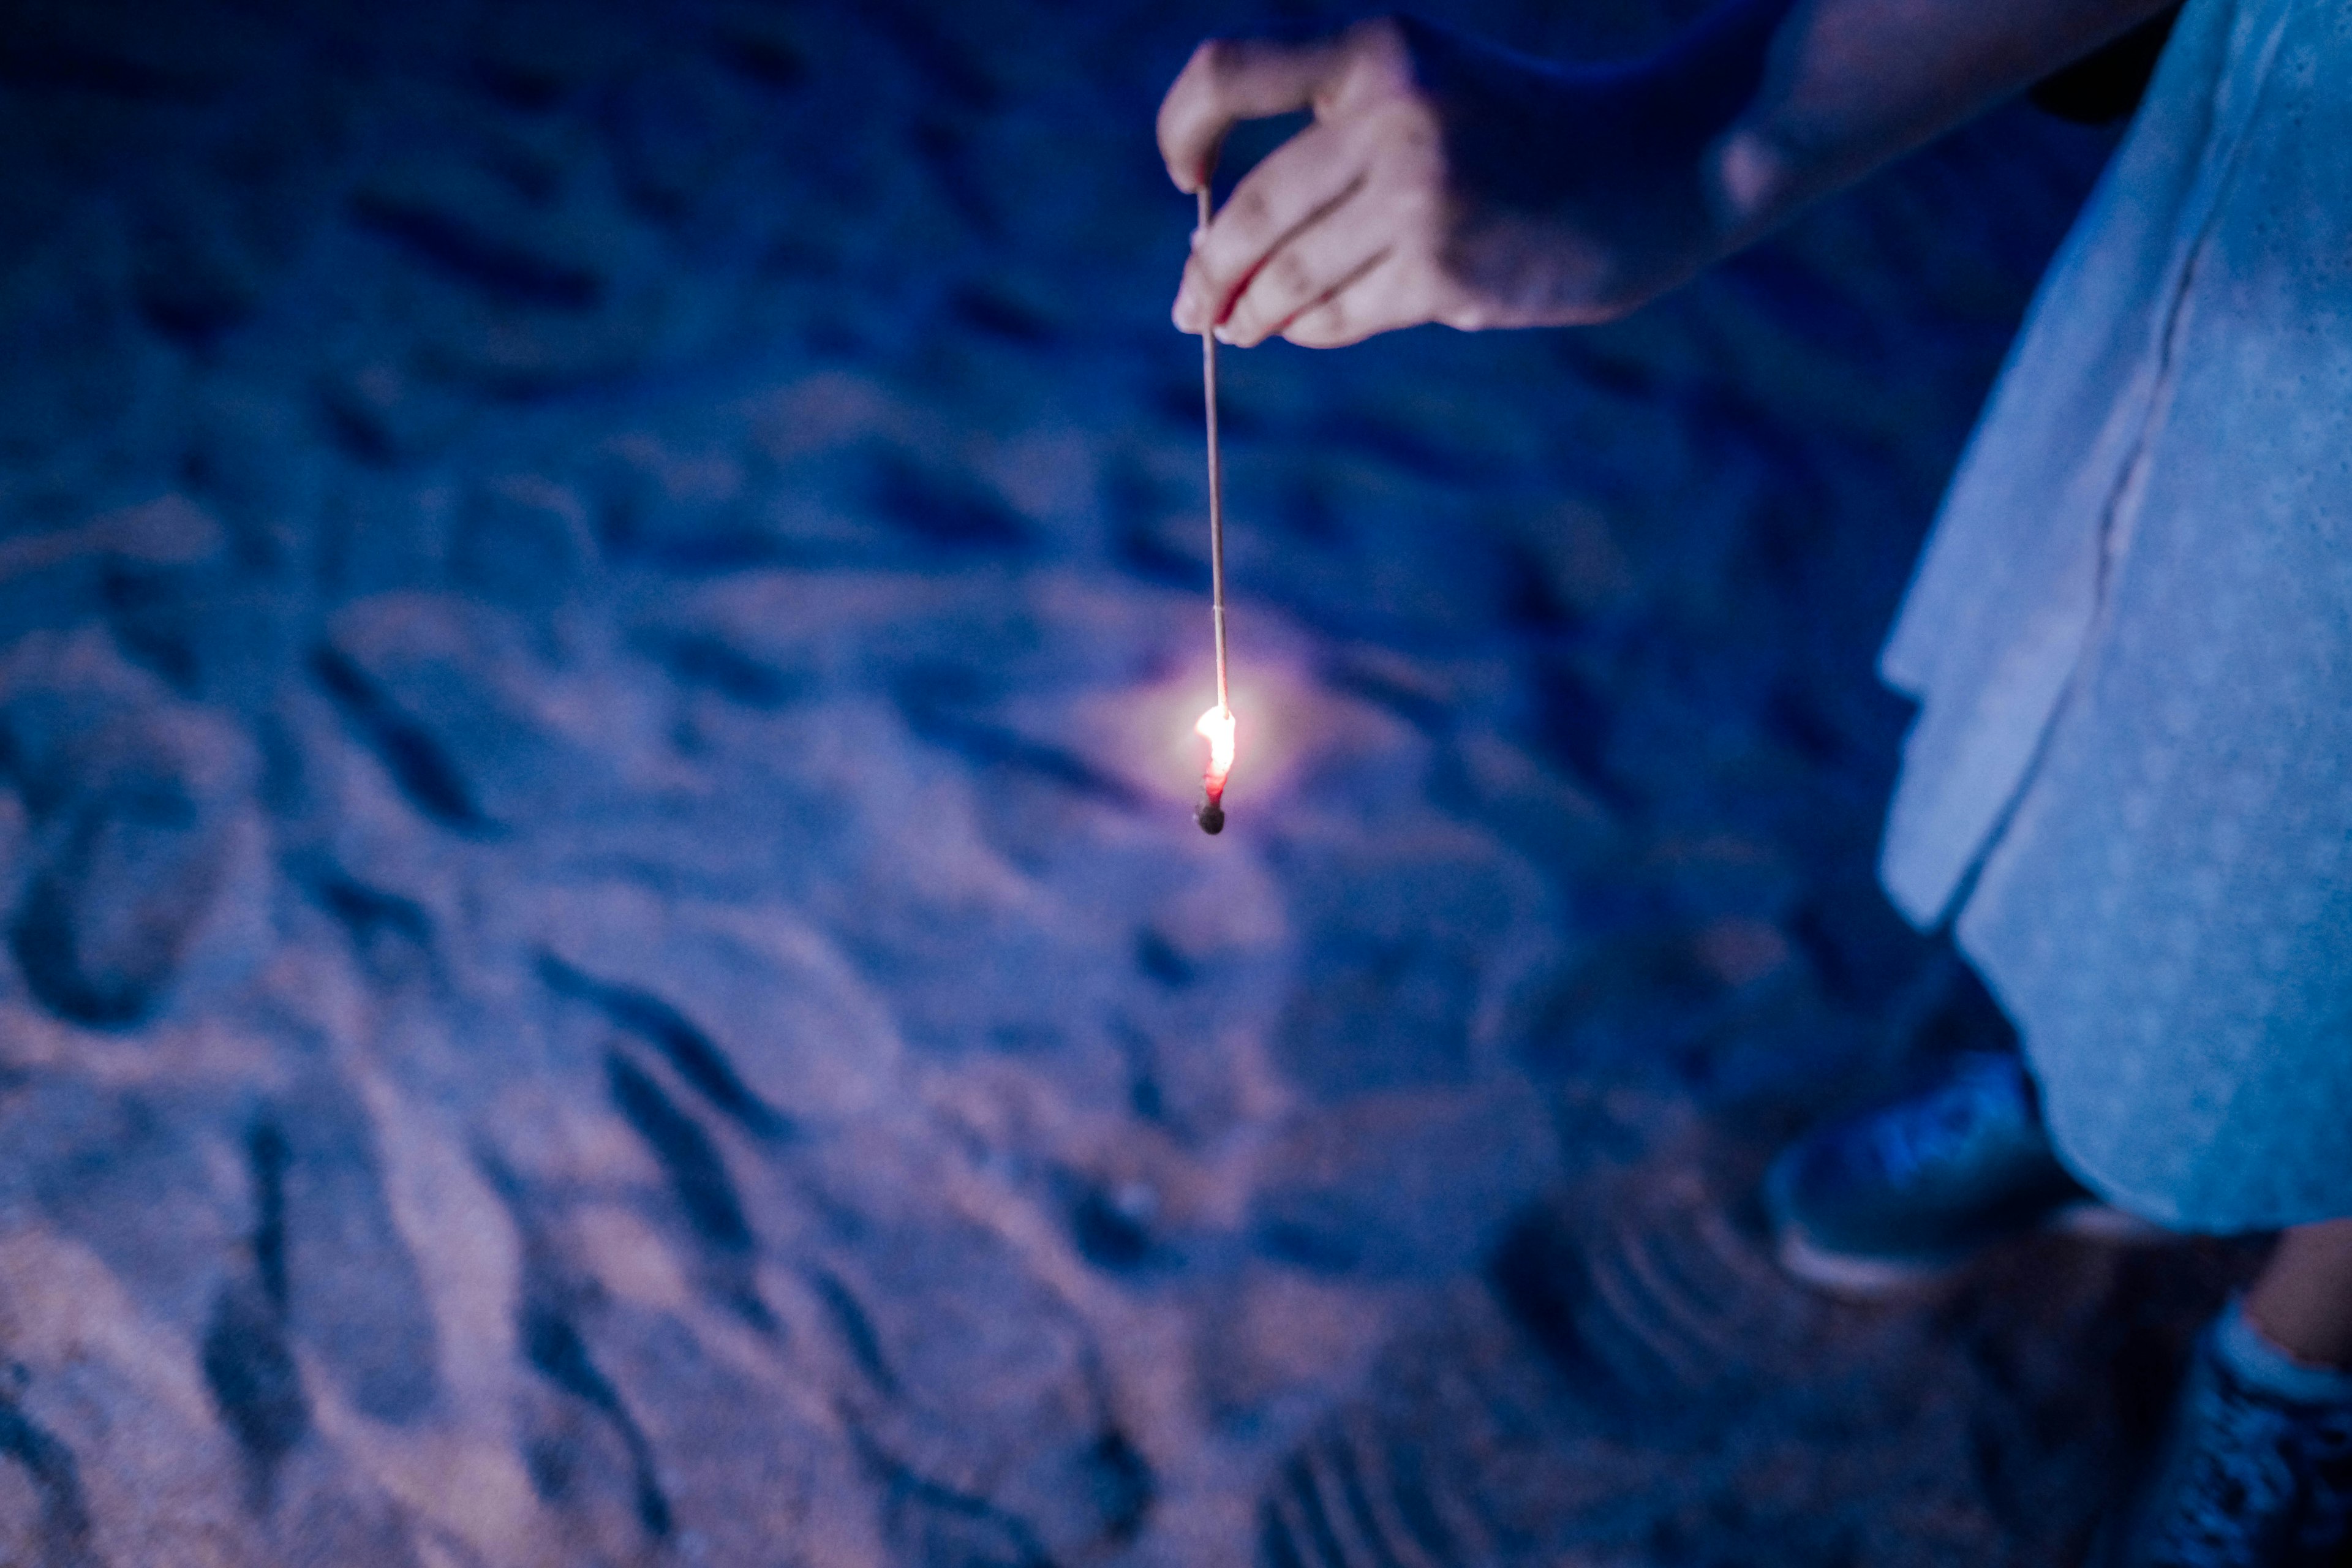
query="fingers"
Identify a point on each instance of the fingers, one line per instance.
(1311, 266)
(1230, 79)
(1302, 185)
(1317, 244)
(1383, 296)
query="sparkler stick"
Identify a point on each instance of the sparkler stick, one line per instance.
(1216, 726)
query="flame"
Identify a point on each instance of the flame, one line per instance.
(1217, 727)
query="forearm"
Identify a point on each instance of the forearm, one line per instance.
(1846, 86)
(1583, 190)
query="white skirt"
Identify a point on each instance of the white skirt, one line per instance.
(2130, 781)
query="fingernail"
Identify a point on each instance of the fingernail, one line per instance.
(1225, 334)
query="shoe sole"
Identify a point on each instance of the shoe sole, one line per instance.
(1859, 1275)
(1864, 1276)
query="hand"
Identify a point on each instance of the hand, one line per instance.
(1443, 180)
(1446, 179)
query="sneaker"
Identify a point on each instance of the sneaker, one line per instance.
(2256, 1471)
(1904, 1195)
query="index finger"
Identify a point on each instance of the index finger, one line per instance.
(1231, 79)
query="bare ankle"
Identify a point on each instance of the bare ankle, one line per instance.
(2302, 1302)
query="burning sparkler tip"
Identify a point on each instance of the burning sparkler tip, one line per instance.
(1217, 727)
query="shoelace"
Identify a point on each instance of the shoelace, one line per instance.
(2264, 1477)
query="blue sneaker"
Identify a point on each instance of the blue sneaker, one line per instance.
(2257, 1469)
(1905, 1194)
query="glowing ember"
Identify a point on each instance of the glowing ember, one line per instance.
(1217, 727)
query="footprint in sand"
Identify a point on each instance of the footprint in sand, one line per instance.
(134, 805)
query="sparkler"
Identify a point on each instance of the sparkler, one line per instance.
(1216, 726)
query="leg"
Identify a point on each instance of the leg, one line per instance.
(2302, 1301)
